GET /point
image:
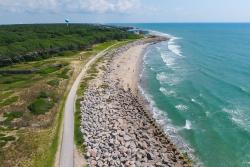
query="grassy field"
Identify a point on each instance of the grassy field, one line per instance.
(31, 107)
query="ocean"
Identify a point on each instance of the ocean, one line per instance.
(198, 86)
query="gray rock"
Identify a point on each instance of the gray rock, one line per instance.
(100, 163)
(127, 138)
(149, 156)
(93, 163)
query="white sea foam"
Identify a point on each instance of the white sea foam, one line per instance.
(181, 107)
(207, 113)
(239, 117)
(162, 77)
(167, 92)
(174, 47)
(163, 120)
(168, 60)
(196, 101)
(188, 125)
(171, 131)
(171, 43)
(170, 79)
(158, 48)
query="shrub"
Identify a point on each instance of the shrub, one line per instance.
(48, 70)
(53, 82)
(40, 106)
(64, 73)
(43, 94)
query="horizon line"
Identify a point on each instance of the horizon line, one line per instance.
(104, 23)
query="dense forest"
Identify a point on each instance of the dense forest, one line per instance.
(20, 43)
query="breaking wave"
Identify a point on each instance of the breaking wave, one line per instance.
(181, 107)
(165, 123)
(171, 43)
(167, 92)
(169, 79)
(239, 117)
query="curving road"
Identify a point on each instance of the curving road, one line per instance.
(67, 146)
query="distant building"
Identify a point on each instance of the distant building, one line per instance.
(138, 31)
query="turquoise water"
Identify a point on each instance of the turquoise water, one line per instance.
(199, 82)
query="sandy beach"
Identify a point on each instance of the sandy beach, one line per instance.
(118, 130)
(126, 67)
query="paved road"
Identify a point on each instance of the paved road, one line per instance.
(67, 145)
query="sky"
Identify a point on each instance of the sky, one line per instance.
(123, 11)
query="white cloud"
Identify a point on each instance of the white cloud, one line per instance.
(28, 5)
(126, 5)
(97, 6)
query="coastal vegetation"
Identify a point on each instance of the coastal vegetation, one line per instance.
(33, 91)
(22, 43)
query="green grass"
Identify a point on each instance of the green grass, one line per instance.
(103, 46)
(12, 115)
(9, 101)
(53, 82)
(48, 70)
(78, 136)
(122, 43)
(49, 158)
(11, 82)
(40, 106)
(66, 54)
(8, 79)
(5, 94)
(44, 94)
(7, 138)
(3, 128)
(64, 73)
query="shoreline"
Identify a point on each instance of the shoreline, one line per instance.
(125, 123)
(138, 92)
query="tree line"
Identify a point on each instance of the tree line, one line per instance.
(20, 43)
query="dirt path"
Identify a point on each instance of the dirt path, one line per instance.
(67, 144)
